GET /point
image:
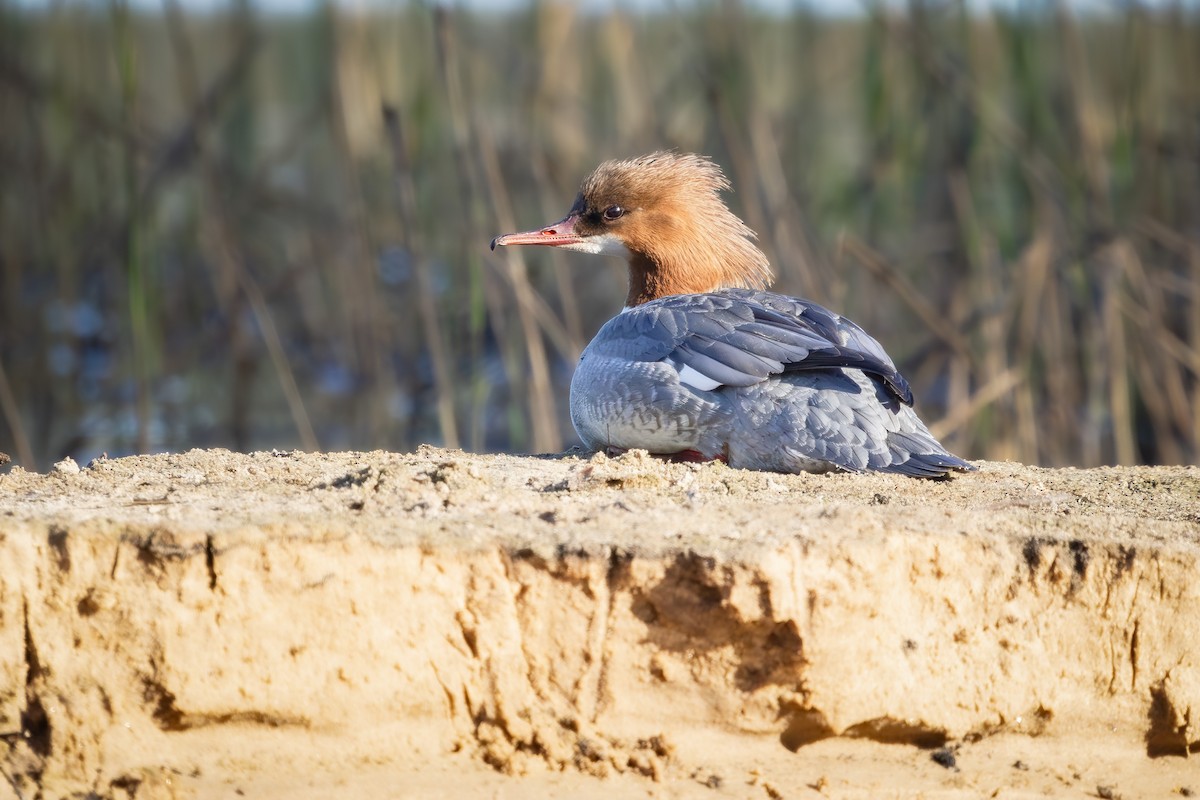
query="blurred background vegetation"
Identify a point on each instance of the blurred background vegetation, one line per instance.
(254, 229)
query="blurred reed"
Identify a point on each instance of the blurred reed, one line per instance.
(246, 230)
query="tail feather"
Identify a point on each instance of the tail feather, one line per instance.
(920, 455)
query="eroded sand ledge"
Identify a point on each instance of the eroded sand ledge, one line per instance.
(393, 624)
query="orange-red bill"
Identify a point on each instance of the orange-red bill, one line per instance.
(556, 235)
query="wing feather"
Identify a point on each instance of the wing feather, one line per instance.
(739, 337)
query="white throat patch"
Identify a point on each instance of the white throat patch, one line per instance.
(604, 244)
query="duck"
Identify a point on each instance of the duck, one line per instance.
(704, 363)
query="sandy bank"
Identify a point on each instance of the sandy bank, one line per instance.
(400, 625)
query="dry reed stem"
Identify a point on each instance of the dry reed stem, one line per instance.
(887, 274)
(529, 301)
(788, 230)
(1184, 352)
(279, 360)
(221, 242)
(1116, 357)
(960, 415)
(364, 311)
(427, 305)
(12, 416)
(571, 335)
(542, 417)
(546, 436)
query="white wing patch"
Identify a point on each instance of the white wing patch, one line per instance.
(697, 380)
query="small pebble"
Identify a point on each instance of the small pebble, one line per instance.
(67, 467)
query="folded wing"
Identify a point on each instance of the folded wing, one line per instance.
(742, 337)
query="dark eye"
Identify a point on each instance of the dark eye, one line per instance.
(613, 212)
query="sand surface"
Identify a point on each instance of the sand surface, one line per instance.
(440, 624)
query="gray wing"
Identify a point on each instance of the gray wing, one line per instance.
(739, 337)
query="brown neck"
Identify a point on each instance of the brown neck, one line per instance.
(655, 275)
(650, 280)
(645, 281)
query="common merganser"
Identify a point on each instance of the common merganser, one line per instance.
(703, 363)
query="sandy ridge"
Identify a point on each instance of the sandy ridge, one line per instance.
(284, 623)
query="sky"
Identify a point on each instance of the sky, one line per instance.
(831, 7)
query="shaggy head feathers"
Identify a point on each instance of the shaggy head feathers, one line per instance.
(681, 236)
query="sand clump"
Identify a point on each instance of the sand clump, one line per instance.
(381, 625)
